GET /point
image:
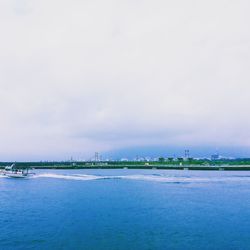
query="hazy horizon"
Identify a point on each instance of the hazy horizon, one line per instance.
(78, 77)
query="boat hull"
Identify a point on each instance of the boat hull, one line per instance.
(16, 175)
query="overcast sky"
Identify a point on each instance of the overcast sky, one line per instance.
(83, 76)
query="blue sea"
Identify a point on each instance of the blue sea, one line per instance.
(126, 209)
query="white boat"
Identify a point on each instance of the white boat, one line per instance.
(16, 172)
(16, 175)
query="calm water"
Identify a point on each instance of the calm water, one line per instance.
(126, 209)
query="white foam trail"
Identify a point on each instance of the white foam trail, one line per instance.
(154, 178)
(168, 179)
(67, 177)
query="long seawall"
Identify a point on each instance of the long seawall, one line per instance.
(160, 167)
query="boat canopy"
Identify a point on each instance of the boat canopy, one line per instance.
(14, 167)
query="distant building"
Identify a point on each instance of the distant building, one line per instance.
(148, 159)
(215, 157)
(124, 159)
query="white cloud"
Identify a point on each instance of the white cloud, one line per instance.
(79, 76)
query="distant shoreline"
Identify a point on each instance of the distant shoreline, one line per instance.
(145, 167)
(170, 163)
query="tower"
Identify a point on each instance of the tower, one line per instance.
(96, 156)
(186, 153)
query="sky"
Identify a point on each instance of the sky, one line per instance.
(81, 76)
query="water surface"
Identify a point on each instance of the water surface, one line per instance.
(126, 209)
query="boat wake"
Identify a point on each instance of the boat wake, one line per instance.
(154, 178)
(69, 177)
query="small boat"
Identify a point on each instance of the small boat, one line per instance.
(14, 171)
